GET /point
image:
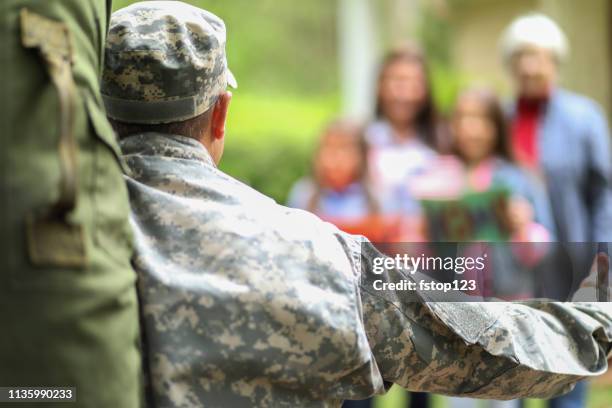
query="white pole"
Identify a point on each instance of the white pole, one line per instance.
(358, 53)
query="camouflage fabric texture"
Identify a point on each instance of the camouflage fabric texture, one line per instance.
(247, 303)
(164, 62)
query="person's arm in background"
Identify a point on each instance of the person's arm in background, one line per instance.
(300, 194)
(540, 229)
(600, 176)
(525, 186)
(541, 205)
(485, 350)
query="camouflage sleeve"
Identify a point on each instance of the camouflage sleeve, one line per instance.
(486, 350)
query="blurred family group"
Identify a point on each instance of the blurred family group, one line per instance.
(547, 149)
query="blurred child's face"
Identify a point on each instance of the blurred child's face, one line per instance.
(473, 131)
(338, 160)
(402, 92)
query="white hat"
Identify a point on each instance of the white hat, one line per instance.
(534, 30)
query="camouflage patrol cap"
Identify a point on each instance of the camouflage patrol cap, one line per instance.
(164, 62)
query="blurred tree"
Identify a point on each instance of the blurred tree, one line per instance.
(278, 45)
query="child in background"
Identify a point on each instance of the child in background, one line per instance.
(339, 188)
(339, 191)
(480, 139)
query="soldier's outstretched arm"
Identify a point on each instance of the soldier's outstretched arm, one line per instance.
(487, 350)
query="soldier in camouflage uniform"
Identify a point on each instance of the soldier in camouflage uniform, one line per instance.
(68, 306)
(250, 304)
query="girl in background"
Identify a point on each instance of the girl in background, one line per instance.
(339, 188)
(339, 191)
(481, 142)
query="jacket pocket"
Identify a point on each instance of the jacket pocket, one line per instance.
(53, 240)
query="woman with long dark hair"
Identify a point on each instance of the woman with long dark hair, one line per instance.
(404, 135)
(403, 138)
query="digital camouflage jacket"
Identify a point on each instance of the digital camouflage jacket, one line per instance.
(247, 303)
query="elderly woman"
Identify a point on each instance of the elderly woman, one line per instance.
(563, 137)
(560, 135)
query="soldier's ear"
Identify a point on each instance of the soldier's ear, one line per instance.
(219, 115)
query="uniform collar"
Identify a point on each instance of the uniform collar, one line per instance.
(165, 145)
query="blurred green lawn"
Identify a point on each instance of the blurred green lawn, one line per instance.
(599, 397)
(270, 138)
